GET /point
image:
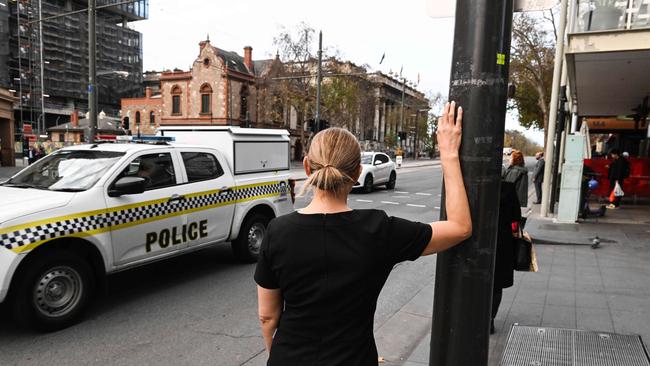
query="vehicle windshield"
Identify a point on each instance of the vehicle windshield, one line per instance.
(366, 158)
(68, 170)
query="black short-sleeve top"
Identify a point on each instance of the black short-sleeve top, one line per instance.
(330, 269)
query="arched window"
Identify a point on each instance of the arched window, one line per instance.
(206, 98)
(243, 100)
(137, 118)
(152, 118)
(176, 100)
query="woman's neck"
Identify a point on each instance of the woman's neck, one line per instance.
(325, 202)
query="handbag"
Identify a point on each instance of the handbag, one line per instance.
(525, 256)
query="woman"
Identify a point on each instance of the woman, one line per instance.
(504, 266)
(518, 174)
(321, 269)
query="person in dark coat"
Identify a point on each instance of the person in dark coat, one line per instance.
(504, 266)
(619, 169)
(518, 174)
(538, 176)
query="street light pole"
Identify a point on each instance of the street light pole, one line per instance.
(552, 120)
(40, 41)
(92, 71)
(464, 273)
(401, 113)
(319, 79)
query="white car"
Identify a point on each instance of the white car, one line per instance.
(376, 169)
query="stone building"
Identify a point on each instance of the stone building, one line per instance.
(224, 88)
(7, 154)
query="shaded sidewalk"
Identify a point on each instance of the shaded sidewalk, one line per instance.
(602, 289)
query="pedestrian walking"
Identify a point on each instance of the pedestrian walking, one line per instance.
(504, 265)
(321, 268)
(31, 155)
(538, 176)
(518, 174)
(619, 169)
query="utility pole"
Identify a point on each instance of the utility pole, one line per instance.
(92, 71)
(401, 113)
(319, 79)
(20, 69)
(561, 119)
(555, 91)
(40, 41)
(464, 273)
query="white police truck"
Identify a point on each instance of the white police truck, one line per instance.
(90, 210)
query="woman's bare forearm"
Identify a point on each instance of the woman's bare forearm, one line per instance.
(458, 225)
(269, 326)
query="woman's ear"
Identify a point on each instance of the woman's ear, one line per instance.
(305, 165)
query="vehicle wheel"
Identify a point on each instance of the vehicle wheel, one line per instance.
(247, 246)
(52, 292)
(391, 181)
(367, 184)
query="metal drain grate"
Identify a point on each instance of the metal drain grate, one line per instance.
(536, 346)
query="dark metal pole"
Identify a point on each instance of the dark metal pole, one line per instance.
(561, 119)
(401, 113)
(464, 273)
(319, 79)
(92, 71)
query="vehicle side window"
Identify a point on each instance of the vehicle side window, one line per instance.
(383, 158)
(156, 169)
(201, 166)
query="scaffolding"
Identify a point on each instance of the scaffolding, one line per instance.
(65, 58)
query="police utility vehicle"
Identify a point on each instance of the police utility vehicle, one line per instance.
(90, 210)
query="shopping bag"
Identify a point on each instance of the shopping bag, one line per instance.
(523, 254)
(618, 191)
(612, 197)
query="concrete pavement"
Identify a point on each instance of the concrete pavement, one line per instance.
(603, 289)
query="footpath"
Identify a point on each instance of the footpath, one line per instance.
(577, 287)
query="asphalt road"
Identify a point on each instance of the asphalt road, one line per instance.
(200, 309)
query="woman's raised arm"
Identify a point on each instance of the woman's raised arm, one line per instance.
(458, 225)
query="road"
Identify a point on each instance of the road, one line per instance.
(200, 309)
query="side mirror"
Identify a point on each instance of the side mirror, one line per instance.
(127, 185)
(378, 162)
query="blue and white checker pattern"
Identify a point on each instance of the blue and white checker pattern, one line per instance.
(115, 219)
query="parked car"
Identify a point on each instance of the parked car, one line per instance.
(376, 169)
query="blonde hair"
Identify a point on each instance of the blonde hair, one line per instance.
(334, 157)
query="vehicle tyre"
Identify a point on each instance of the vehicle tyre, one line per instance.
(367, 184)
(391, 180)
(247, 246)
(52, 292)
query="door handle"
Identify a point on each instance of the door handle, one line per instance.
(176, 198)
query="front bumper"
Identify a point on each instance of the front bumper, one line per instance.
(8, 263)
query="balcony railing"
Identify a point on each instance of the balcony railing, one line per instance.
(607, 15)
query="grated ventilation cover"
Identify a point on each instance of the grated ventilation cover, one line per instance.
(537, 346)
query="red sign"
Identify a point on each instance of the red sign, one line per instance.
(27, 129)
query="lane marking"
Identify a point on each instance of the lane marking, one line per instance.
(401, 192)
(369, 201)
(423, 194)
(437, 208)
(401, 196)
(414, 205)
(390, 203)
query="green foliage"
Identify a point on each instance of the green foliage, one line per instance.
(390, 140)
(531, 70)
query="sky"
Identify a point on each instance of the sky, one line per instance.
(361, 30)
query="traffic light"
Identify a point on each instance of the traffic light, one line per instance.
(401, 135)
(324, 124)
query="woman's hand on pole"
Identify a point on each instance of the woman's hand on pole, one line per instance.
(458, 225)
